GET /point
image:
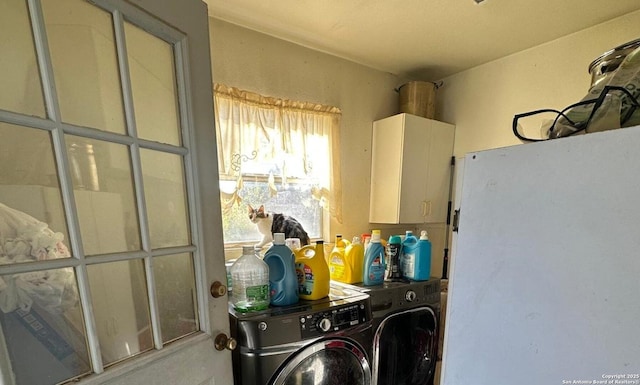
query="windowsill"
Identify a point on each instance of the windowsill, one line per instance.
(234, 251)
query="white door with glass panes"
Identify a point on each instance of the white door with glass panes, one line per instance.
(110, 223)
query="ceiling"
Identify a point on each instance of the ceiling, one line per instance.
(419, 39)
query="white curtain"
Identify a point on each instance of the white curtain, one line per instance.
(278, 137)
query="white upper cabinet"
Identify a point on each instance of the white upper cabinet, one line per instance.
(410, 170)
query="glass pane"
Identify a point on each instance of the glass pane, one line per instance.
(104, 194)
(176, 293)
(153, 84)
(19, 76)
(41, 327)
(293, 199)
(121, 309)
(409, 348)
(328, 367)
(85, 66)
(165, 194)
(32, 222)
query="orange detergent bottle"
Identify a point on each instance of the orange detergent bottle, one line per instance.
(312, 272)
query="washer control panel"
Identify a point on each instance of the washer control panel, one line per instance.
(333, 320)
(410, 296)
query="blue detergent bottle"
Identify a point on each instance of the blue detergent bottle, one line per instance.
(283, 280)
(374, 261)
(409, 254)
(422, 270)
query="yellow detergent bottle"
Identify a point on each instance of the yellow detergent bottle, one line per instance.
(312, 272)
(338, 247)
(353, 263)
(336, 261)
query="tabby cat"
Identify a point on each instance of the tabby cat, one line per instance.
(269, 223)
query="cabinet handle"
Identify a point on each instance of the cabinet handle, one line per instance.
(426, 208)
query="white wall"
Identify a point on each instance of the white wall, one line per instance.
(256, 62)
(482, 101)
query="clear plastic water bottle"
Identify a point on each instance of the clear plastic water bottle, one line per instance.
(250, 276)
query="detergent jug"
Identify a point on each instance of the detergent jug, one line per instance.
(336, 259)
(312, 271)
(283, 279)
(339, 246)
(422, 265)
(354, 262)
(408, 254)
(374, 261)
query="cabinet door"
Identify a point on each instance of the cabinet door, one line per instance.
(386, 164)
(426, 167)
(414, 169)
(410, 170)
(439, 147)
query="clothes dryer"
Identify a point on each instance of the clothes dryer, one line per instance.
(405, 322)
(322, 342)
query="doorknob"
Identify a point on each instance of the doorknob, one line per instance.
(223, 342)
(218, 289)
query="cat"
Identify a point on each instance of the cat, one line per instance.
(269, 223)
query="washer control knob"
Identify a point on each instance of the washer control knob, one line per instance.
(262, 326)
(410, 295)
(324, 324)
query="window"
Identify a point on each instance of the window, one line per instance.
(96, 246)
(277, 153)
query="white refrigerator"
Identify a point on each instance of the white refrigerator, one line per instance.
(545, 273)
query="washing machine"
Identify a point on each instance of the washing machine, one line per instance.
(322, 342)
(405, 331)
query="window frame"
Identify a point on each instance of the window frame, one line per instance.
(235, 101)
(232, 248)
(53, 124)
